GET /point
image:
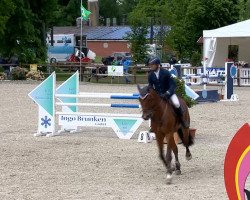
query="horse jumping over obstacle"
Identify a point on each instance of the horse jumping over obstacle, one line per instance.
(164, 123)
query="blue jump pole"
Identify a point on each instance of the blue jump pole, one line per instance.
(125, 105)
(124, 97)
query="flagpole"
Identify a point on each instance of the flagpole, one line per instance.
(81, 48)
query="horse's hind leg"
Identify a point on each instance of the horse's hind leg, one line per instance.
(187, 142)
(188, 154)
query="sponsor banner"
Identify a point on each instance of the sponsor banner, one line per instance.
(114, 70)
(84, 120)
(123, 127)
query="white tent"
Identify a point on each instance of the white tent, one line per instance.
(216, 43)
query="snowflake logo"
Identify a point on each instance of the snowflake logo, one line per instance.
(46, 121)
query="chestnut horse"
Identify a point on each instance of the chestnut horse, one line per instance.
(164, 123)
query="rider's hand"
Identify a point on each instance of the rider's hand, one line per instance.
(166, 95)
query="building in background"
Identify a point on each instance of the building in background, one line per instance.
(103, 40)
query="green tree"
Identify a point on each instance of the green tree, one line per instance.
(44, 14)
(127, 6)
(138, 36)
(140, 19)
(138, 41)
(156, 9)
(6, 9)
(24, 36)
(199, 15)
(105, 10)
(244, 6)
(68, 12)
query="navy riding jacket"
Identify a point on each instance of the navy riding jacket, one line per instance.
(165, 82)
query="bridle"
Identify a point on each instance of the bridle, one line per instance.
(151, 110)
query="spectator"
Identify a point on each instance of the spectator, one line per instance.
(126, 63)
(173, 60)
(118, 61)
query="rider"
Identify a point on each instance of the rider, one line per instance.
(164, 84)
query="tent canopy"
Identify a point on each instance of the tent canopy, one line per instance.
(216, 43)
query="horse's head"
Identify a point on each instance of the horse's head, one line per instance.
(148, 99)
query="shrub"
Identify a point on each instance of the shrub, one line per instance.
(35, 75)
(196, 59)
(180, 91)
(18, 73)
(1, 69)
(2, 76)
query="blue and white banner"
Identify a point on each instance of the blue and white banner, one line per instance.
(43, 96)
(124, 127)
(70, 86)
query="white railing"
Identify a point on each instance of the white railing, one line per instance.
(245, 77)
(193, 76)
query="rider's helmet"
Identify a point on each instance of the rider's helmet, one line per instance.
(154, 61)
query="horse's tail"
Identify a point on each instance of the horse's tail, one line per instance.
(190, 138)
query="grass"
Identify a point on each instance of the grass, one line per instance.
(1, 69)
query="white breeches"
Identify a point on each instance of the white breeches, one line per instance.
(175, 100)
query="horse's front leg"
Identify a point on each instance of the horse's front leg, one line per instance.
(174, 148)
(159, 138)
(167, 161)
(169, 158)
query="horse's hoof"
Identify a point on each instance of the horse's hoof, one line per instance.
(169, 178)
(177, 172)
(189, 157)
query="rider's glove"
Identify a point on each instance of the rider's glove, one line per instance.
(166, 95)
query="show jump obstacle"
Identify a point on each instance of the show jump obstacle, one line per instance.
(69, 119)
(211, 95)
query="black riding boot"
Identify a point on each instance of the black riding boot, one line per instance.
(180, 112)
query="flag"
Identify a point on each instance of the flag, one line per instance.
(85, 13)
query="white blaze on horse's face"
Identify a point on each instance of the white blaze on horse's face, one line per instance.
(144, 97)
(146, 112)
